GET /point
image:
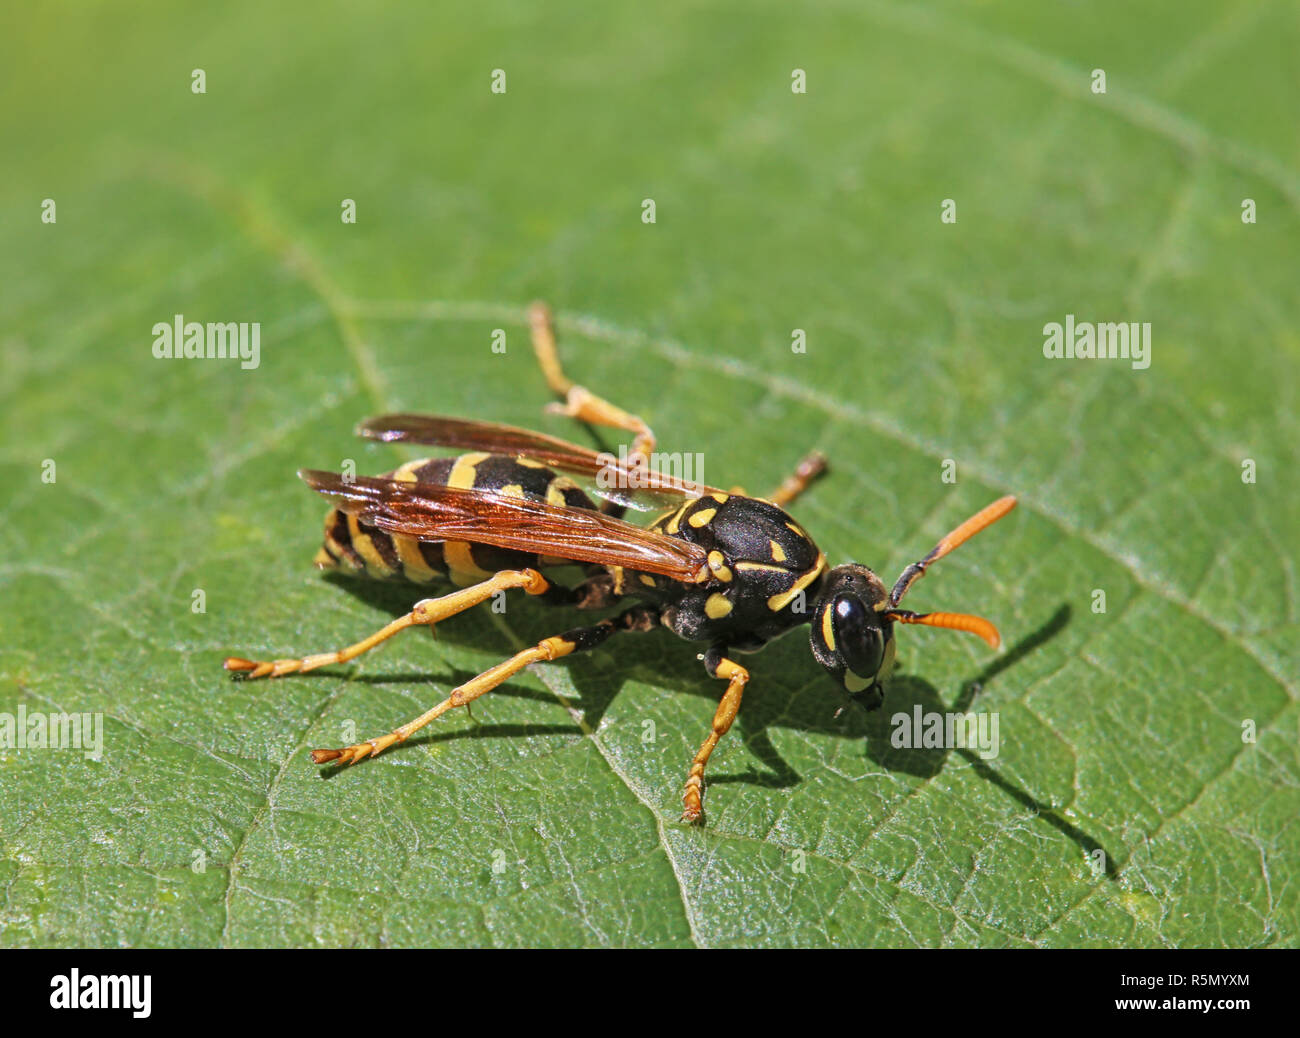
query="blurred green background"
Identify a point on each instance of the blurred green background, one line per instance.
(1125, 806)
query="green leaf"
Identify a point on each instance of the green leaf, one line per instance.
(1126, 805)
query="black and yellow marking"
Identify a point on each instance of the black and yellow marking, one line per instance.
(356, 546)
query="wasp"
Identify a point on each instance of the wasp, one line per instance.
(719, 568)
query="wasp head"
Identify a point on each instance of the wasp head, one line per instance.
(852, 637)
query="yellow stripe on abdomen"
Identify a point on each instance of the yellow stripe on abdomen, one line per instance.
(414, 567)
(461, 567)
(462, 474)
(375, 564)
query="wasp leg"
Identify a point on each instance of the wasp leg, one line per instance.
(581, 403)
(425, 613)
(795, 484)
(736, 677)
(580, 639)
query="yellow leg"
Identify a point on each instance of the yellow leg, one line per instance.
(809, 469)
(581, 403)
(425, 613)
(580, 639)
(550, 649)
(736, 676)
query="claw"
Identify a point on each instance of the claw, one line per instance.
(276, 668)
(349, 754)
(693, 796)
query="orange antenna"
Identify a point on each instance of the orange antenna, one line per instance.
(963, 533)
(976, 625)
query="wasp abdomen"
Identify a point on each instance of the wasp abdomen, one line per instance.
(353, 544)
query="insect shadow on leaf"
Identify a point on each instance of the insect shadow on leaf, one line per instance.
(910, 691)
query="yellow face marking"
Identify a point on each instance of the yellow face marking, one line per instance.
(703, 517)
(854, 683)
(647, 580)
(717, 606)
(778, 553)
(555, 490)
(778, 602)
(887, 663)
(464, 570)
(413, 565)
(718, 566)
(366, 549)
(828, 630)
(462, 473)
(720, 498)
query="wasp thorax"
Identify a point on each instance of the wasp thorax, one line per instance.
(850, 636)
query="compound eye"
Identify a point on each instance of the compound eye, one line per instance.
(858, 636)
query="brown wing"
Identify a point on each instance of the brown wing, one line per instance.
(613, 479)
(430, 512)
